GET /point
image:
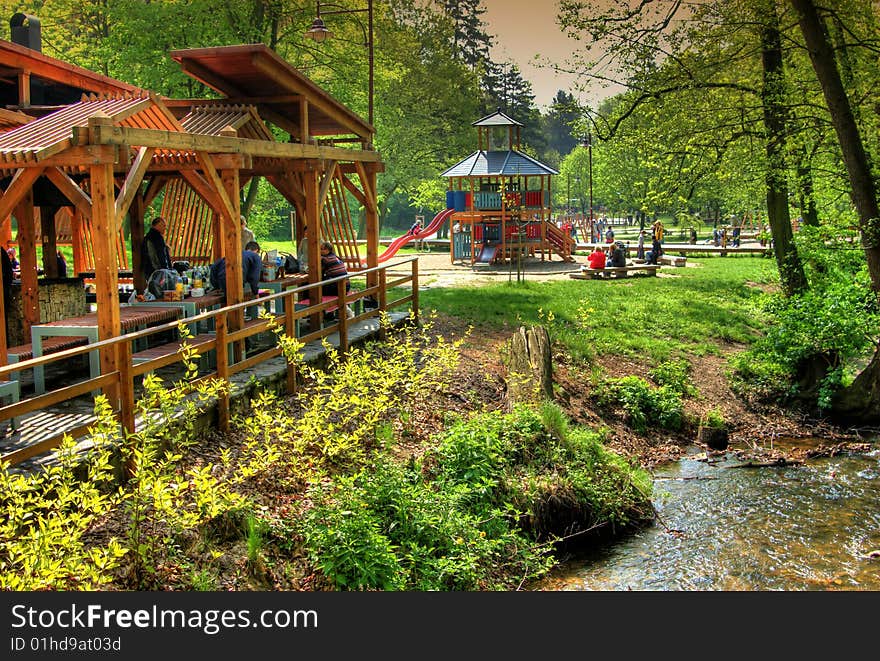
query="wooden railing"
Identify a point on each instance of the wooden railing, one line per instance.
(226, 342)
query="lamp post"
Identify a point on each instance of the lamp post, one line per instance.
(319, 33)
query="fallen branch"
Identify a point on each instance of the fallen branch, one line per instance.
(781, 461)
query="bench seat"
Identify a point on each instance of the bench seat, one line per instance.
(22, 352)
(614, 272)
(167, 353)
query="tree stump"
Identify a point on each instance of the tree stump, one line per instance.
(715, 438)
(530, 366)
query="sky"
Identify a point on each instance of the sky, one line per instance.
(524, 28)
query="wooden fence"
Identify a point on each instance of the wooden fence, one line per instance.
(119, 385)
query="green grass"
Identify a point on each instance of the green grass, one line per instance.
(655, 318)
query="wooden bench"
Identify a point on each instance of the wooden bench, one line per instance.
(166, 354)
(614, 272)
(23, 352)
(672, 260)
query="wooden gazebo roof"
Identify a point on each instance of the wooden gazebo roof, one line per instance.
(253, 73)
(111, 152)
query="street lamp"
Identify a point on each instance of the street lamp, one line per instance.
(319, 32)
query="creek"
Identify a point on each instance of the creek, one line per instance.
(802, 527)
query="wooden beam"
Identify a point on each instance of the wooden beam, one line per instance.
(285, 79)
(204, 190)
(132, 185)
(208, 77)
(153, 189)
(325, 186)
(83, 156)
(24, 88)
(304, 121)
(68, 187)
(354, 190)
(173, 140)
(22, 182)
(368, 181)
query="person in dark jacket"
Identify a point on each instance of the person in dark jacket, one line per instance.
(331, 267)
(154, 251)
(8, 275)
(251, 268)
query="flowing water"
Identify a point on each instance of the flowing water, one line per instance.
(807, 527)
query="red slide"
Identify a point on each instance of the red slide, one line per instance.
(432, 228)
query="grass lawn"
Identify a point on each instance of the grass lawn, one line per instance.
(655, 318)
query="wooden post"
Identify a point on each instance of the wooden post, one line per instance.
(371, 217)
(231, 237)
(27, 256)
(342, 317)
(126, 387)
(104, 232)
(290, 330)
(312, 185)
(383, 301)
(415, 290)
(76, 232)
(222, 372)
(50, 243)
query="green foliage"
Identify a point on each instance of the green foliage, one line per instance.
(674, 374)
(643, 405)
(49, 513)
(713, 419)
(454, 520)
(837, 324)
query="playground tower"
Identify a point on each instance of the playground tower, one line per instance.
(501, 199)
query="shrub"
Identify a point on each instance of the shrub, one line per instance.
(644, 406)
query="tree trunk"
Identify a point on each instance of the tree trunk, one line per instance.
(530, 367)
(809, 212)
(863, 190)
(861, 400)
(791, 271)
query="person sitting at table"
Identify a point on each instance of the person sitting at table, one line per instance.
(8, 275)
(596, 259)
(302, 251)
(13, 259)
(154, 251)
(333, 267)
(618, 254)
(251, 268)
(62, 264)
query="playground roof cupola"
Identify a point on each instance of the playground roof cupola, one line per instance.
(498, 151)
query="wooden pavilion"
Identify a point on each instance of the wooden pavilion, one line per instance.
(501, 198)
(94, 151)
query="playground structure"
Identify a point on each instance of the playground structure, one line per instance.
(500, 200)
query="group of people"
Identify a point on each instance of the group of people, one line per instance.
(612, 256)
(155, 255)
(614, 253)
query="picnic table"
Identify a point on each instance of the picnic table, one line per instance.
(190, 305)
(131, 318)
(281, 284)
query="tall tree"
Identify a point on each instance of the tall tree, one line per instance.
(470, 41)
(862, 398)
